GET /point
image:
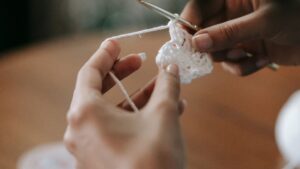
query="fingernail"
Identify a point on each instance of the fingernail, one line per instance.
(236, 54)
(203, 42)
(143, 56)
(262, 63)
(173, 69)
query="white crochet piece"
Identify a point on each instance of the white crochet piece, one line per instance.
(179, 51)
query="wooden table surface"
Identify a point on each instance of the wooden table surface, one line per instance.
(229, 122)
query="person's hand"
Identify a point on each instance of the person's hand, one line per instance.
(233, 30)
(103, 136)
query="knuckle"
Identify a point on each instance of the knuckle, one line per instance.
(229, 32)
(110, 47)
(269, 22)
(83, 72)
(80, 112)
(166, 106)
(108, 51)
(69, 141)
(73, 118)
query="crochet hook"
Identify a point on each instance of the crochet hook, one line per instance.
(168, 14)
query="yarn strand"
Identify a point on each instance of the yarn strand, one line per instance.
(139, 33)
(124, 91)
(115, 79)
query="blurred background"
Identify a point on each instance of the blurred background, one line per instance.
(29, 21)
(229, 121)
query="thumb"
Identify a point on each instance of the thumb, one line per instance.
(165, 97)
(227, 34)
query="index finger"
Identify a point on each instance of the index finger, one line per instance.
(94, 71)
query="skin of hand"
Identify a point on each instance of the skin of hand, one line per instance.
(102, 135)
(268, 30)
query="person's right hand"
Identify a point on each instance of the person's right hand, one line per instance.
(232, 29)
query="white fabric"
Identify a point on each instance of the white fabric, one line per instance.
(52, 156)
(288, 131)
(179, 50)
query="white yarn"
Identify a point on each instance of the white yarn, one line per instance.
(179, 51)
(290, 166)
(288, 131)
(140, 33)
(51, 156)
(124, 91)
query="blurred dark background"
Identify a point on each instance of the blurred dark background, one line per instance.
(14, 29)
(29, 21)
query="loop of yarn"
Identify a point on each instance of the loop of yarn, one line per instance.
(179, 51)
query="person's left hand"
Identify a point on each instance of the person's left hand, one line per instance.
(103, 136)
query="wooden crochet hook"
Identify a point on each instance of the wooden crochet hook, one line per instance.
(171, 16)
